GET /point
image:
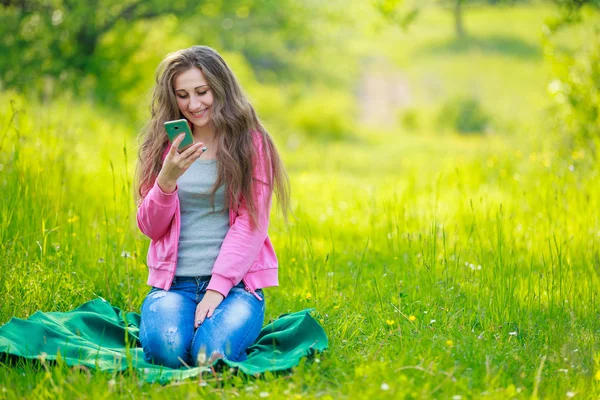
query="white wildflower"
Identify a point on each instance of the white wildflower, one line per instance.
(201, 357)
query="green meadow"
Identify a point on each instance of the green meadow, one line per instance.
(441, 265)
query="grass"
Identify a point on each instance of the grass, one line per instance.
(439, 265)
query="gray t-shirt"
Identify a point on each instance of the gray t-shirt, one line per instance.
(202, 230)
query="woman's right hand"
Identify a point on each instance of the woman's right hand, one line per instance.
(175, 164)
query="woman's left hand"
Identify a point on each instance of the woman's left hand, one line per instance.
(207, 306)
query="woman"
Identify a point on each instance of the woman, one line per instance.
(207, 268)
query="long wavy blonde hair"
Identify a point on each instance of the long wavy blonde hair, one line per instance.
(234, 120)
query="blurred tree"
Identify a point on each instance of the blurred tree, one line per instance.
(465, 115)
(269, 33)
(459, 28)
(575, 83)
(58, 38)
(397, 12)
(89, 46)
(570, 12)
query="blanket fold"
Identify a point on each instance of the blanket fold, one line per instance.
(100, 336)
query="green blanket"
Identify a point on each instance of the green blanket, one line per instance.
(101, 336)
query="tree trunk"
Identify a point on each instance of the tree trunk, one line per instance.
(458, 19)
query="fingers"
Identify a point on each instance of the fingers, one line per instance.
(184, 159)
(176, 143)
(201, 315)
(203, 311)
(186, 162)
(207, 306)
(194, 151)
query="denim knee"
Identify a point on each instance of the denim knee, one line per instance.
(233, 327)
(166, 328)
(166, 346)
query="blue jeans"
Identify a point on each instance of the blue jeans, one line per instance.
(167, 328)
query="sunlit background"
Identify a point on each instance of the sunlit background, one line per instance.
(443, 161)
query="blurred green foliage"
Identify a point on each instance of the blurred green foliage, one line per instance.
(409, 119)
(575, 84)
(301, 63)
(402, 13)
(57, 41)
(464, 114)
(325, 114)
(570, 12)
(108, 50)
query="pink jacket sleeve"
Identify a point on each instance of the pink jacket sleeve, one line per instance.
(242, 245)
(157, 210)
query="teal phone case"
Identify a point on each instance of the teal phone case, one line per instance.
(176, 128)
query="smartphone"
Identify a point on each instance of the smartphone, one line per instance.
(176, 128)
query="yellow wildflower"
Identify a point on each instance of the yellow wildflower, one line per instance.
(597, 376)
(390, 322)
(449, 343)
(412, 318)
(308, 296)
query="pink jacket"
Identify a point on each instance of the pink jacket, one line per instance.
(245, 254)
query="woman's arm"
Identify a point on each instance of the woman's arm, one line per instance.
(155, 213)
(158, 208)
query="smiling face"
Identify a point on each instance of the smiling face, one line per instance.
(194, 96)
